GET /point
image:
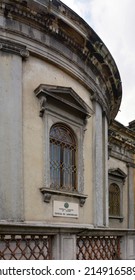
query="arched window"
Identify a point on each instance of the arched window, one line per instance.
(62, 158)
(114, 200)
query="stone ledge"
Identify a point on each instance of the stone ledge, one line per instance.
(47, 193)
(120, 218)
(43, 227)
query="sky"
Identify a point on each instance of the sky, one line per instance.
(114, 22)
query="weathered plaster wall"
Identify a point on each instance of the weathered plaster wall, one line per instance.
(36, 72)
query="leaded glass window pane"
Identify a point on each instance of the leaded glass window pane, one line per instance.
(62, 158)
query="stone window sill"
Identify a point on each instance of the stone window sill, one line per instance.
(120, 218)
(47, 193)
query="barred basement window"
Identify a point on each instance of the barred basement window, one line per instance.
(114, 200)
(62, 158)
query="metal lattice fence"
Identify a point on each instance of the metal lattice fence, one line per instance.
(25, 247)
(98, 247)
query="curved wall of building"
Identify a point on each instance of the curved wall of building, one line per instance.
(54, 69)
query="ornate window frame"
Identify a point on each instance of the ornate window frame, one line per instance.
(63, 105)
(117, 177)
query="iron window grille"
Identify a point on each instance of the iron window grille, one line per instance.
(62, 158)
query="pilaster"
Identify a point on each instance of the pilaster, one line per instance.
(11, 163)
(64, 247)
(105, 170)
(98, 167)
(130, 196)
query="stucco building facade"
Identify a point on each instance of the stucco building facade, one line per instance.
(67, 168)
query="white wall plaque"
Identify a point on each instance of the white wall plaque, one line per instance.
(65, 209)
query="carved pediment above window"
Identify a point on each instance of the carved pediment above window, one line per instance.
(66, 97)
(118, 173)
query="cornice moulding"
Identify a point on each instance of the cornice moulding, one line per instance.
(58, 21)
